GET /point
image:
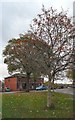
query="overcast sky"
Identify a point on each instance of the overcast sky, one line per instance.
(16, 16)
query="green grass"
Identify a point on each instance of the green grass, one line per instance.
(33, 105)
(0, 106)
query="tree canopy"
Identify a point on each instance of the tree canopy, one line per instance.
(22, 55)
(55, 29)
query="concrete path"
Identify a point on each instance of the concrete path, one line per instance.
(7, 92)
(66, 91)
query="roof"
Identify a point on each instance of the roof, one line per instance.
(16, 75)
(19, 75)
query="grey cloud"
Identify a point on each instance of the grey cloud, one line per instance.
(19, 14)
(20, 9)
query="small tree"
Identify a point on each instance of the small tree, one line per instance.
(54, 28)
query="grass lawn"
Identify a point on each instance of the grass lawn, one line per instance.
(0, 106)
(33, 105)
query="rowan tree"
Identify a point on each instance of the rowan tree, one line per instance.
(55, 28)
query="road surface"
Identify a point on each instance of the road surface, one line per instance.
(65, 91)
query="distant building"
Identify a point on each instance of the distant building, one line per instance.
(19, 82)
(0, 84)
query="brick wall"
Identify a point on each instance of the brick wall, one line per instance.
(11, 83)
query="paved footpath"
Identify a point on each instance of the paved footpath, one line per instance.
(66, 91)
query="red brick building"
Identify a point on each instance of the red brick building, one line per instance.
(18, 82)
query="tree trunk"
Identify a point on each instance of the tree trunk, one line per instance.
(34, 83)
(27, 84)
(49, 102)
(53, 84)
